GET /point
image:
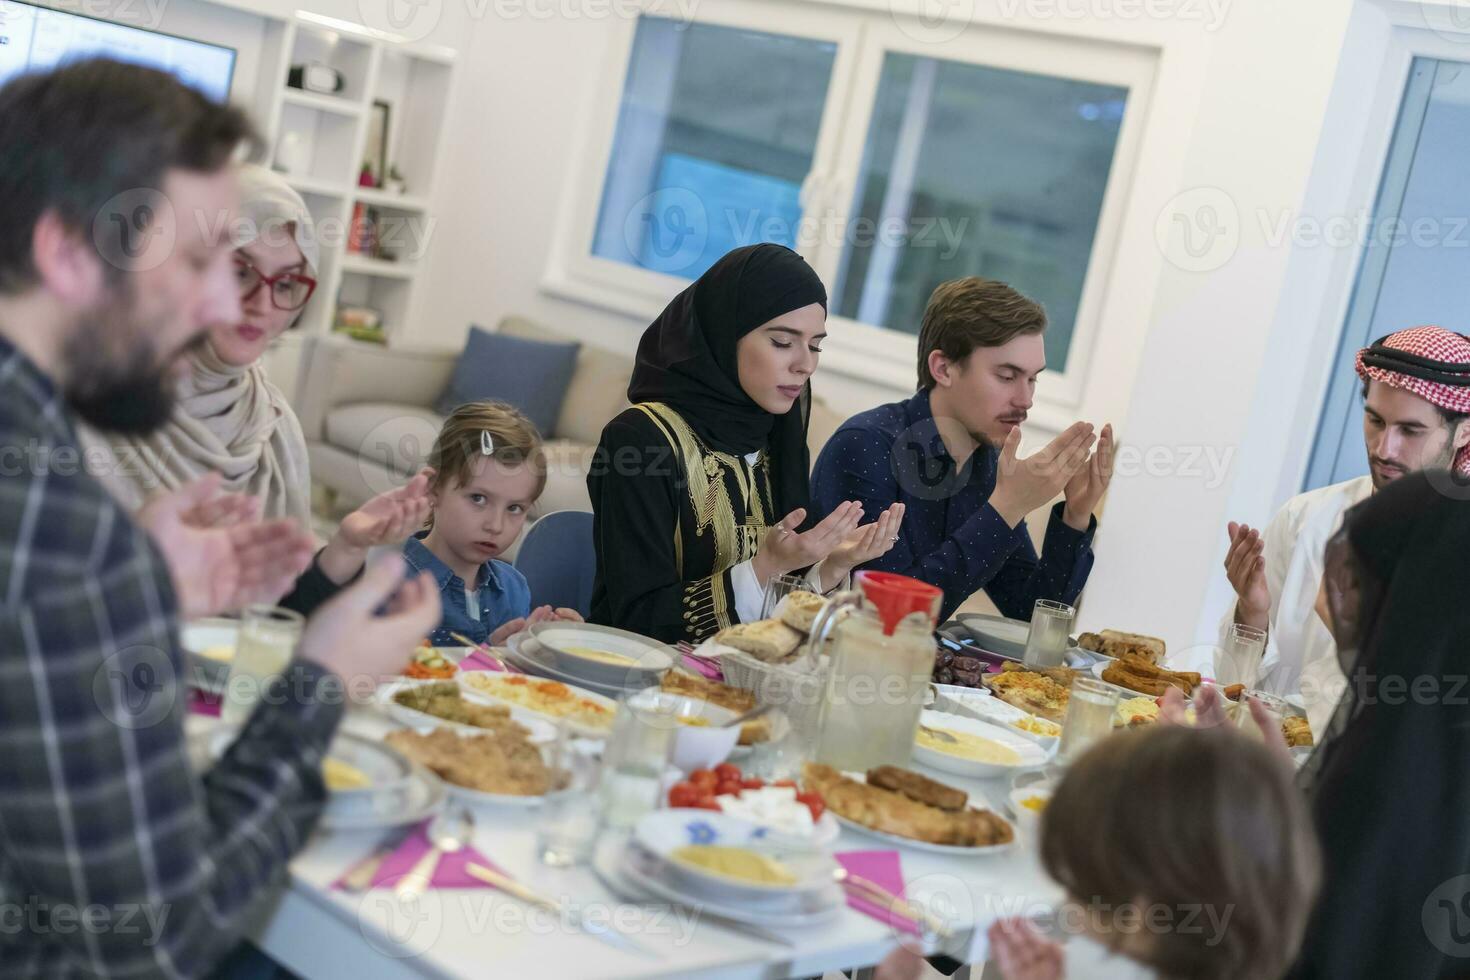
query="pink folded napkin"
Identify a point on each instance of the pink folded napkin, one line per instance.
(203, 703)
(450, 873)
(709, 670)
(881, 868)
(478, 661)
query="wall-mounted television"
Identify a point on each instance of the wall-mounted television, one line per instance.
(34, 38)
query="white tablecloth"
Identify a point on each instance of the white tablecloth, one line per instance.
(459, 933)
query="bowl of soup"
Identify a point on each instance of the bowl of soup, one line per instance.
(603, 655)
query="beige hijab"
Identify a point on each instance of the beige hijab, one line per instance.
(228, 420)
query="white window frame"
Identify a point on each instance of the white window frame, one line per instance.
(864, 351)
(642, 293)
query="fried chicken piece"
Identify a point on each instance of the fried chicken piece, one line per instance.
(920, 789)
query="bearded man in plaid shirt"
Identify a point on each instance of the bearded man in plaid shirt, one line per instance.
(116, 858)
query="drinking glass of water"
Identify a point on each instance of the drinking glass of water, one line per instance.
(1051, 629)
(1240, 657)
(1090, 711)
(635, 759)
(267, 640)
(567, 823)
(778, 588)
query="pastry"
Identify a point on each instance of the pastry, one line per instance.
(769, 640)
(799, 609)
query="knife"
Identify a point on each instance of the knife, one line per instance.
(360, 878)
(597, 930)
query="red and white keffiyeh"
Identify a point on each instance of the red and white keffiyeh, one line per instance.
(1431, 362)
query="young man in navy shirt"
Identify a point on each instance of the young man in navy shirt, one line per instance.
(949, 454)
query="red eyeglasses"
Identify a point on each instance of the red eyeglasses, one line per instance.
(288, 291)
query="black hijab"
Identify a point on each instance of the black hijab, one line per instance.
(686, 360)
(1390, 785)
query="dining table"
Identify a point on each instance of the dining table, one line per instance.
(318, 930)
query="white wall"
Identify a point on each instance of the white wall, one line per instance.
(1201, 365)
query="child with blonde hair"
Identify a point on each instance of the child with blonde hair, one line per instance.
(489, 469)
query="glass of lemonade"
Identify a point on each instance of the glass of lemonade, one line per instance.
(267, 641)
(1051, 628)
(1090, 711)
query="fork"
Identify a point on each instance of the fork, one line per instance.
(687, 649)
(485, 651)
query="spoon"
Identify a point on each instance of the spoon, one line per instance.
(750, 715)
(450, 831)
(938, 733)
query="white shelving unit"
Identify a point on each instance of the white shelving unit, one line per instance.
(332, 133)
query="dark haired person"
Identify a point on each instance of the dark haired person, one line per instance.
(701, 489)
(1416, 416)
(1213, 879)
(110, 177)
(948, 454)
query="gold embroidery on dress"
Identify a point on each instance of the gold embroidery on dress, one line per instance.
(707, 603)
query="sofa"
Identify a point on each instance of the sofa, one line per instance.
(367, 412)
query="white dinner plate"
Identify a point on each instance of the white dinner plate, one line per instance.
(576, 727)
(541, 730)
(636, 660)
(642, 871)
(997, 712)
(920, 845)
(524, 652)
(1029, 753)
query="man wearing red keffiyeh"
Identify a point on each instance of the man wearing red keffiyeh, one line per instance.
(1414, 367)
(1416, 416)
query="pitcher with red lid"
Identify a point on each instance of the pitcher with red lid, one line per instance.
(882, 648)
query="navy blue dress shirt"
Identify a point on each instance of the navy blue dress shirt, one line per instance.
(951, 536)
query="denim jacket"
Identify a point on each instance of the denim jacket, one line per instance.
(504, 595)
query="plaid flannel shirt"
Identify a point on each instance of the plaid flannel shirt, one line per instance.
(116, 858)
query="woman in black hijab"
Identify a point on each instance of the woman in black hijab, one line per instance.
(1390, 784)
(687, 485)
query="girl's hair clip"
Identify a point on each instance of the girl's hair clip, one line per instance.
(487, 444)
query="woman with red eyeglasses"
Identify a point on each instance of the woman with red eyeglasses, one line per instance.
(231, 420)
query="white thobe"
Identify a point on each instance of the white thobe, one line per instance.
(1301, 656)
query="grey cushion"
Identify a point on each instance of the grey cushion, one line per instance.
(530, 374)
(395, 438)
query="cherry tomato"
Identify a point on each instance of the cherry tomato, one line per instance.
(704, 779)
(785, 782)
(707, 801)
(752, 783)
(683, 795)
(728, 770)
(728, 787)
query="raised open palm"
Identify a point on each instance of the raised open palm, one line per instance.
(220, 555)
